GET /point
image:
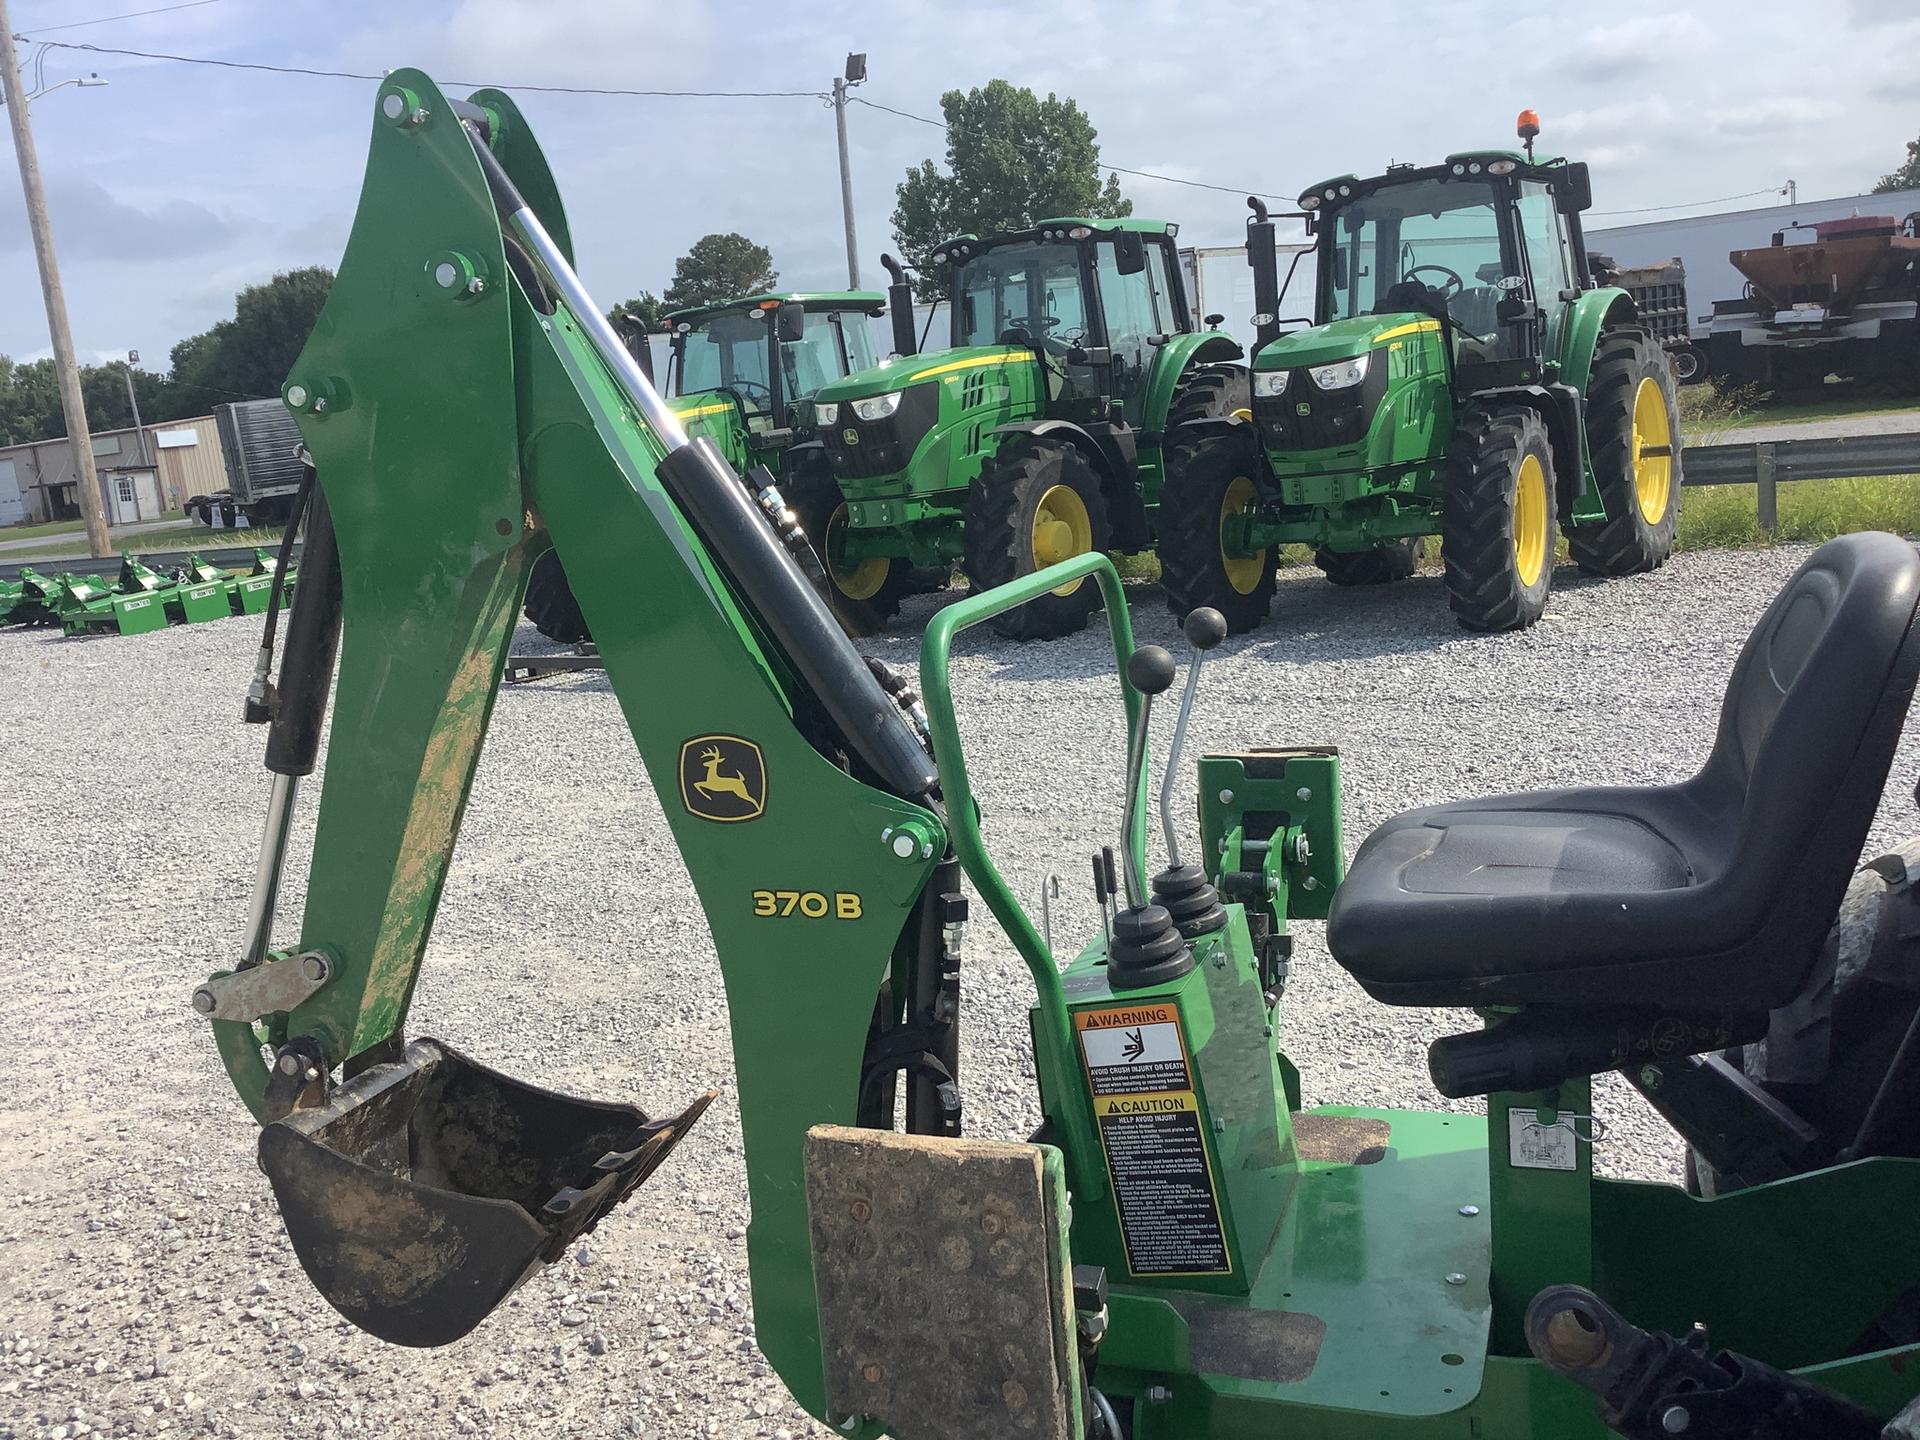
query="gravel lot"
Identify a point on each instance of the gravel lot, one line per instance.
(145, 1285)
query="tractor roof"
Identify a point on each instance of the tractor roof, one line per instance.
(868, 302)
(1059, 227)
(1344, 189)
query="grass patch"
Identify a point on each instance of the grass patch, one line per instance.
(29, 532)
(186, 537)
(1721, 516)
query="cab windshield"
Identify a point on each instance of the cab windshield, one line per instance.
(1430, 245)
(729, 352)
(1035, 288)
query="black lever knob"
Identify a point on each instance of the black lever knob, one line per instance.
(1206, 627)
(1150, 670)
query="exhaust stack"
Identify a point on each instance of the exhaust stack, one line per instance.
(1264, 259)
(900, 306)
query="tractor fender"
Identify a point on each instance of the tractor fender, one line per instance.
(1563, 408)
(1587, 319)
(1207, 425)
(1111, 451)
(1179, 355)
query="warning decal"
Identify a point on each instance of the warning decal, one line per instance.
(1133, 1050)
(1162, 1183)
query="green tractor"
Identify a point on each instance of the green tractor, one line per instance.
(1036, 436)
(1462, 377)
(741, 374)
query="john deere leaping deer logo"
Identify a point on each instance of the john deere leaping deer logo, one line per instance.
(723, 778)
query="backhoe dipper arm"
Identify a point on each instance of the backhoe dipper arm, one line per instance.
(461, 422)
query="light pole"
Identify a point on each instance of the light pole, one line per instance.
(67, 371)
(139, 430)
(855, 73)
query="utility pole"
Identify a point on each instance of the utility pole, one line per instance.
(71, 401)
(856, 72)
(139, 430)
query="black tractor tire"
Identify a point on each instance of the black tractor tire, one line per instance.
(1208, 477)
(1004, 507)
(1208, 392)
(1827, 1051)
(1642, 498)
(1500, 496)
(866, 597)
(550, 603)
(1382, 565)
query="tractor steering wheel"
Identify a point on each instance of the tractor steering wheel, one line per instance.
(1448, 288)
(751, 388)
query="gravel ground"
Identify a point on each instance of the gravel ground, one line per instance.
(145, 1284)
(1880, 422)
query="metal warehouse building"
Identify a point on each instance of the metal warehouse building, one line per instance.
(143, 473)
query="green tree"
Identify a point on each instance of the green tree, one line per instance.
(719, 267)
(248, 357)
(1012, 159)
(29, 401)
(1907, 177)
(644, 307)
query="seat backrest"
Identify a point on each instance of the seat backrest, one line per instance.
(1812, 714)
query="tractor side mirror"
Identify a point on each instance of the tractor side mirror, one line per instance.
(790, 322)
(1129, 252)
(1573, 189)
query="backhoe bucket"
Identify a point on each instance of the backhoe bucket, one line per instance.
(422, 1193)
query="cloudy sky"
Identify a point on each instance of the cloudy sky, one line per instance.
(176, 184)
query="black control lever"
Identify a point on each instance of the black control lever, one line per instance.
(1147, 949)
(1183, 890)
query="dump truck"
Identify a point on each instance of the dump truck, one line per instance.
(741, 373)
(260, 446)
(1464, 378)
(1835, 298)
(1036, 433)
(1659, 292)
(1185, 1248)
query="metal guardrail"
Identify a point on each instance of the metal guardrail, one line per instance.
(229, 559)
(1767, 464)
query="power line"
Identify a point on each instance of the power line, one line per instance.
(1691, 204)
(1122, 169)
(130, 15)
(475, 84)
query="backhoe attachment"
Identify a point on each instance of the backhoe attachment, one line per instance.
(422, 1193)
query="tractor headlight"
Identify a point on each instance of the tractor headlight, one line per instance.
(1342, 374)
(826, 415)
(877, 407)
(1269, 383)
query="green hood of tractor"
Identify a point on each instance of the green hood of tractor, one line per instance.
(1341, 339)
(904, 370)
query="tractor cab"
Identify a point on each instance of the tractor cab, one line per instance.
(1484, 248)
(744, 372)
(1094, 301)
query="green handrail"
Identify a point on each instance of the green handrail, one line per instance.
(963, 815)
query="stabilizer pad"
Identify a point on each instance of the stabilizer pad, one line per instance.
(941, 1271)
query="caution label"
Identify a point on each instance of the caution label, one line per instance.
(1162, 1184)
(1133, 1050)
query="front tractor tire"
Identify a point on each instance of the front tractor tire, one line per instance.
(864, 594)
(1382, 565)
(550, 604)
(1210, 479)
(1633, 435)
(1497, 525)
(1035, 504)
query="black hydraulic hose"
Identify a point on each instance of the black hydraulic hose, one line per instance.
(313, 637)
(735, 529)
(704, 486)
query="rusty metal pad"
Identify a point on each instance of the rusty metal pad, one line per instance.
(1341, 1139)
(1281, 1346)
(942, 1280)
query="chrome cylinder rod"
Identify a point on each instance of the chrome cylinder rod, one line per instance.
(659, 417)
(267, 869)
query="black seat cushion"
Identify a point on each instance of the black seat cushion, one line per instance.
(1711, 894)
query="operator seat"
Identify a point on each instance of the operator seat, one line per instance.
(1717, 891)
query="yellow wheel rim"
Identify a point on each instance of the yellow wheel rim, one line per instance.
(861, 581)
(1531, 542)
(1652, 452)
(1243, 572)
(1062, 529)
